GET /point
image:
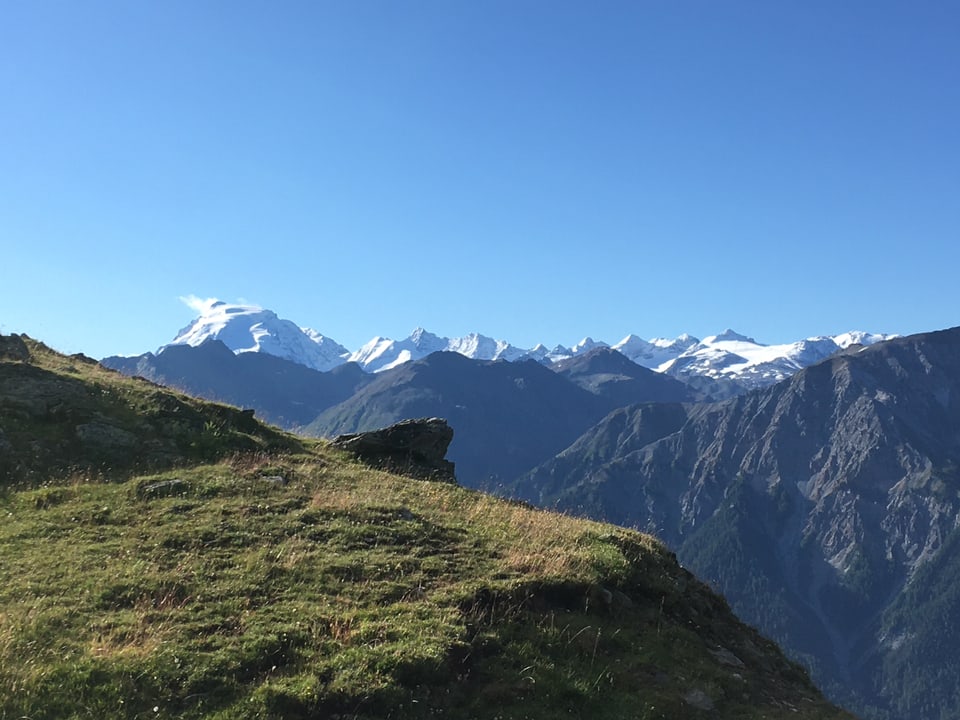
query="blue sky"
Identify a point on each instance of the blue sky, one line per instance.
(537, 171)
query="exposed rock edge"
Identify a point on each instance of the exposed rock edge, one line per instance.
(415, 448)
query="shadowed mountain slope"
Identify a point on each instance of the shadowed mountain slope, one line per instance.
(506, 416)
(611, 375)
(815, 505)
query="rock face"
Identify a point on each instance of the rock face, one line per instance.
(416, 448)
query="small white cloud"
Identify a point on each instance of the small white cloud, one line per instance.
(197, 304)
(208, 306)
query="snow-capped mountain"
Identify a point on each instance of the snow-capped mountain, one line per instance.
(542, 354)
(249, 328)
(586, 345)
(737, 357)
(383, 353)
(481, 347)
(654, 353)
(729, 355)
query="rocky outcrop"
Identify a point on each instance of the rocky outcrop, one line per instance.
(13, 347)
(416, 448)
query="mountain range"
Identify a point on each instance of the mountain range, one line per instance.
(727, 356)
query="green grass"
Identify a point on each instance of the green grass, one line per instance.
(346, 591)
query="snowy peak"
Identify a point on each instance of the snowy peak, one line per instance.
(250, 328)
(654, 353)
(237, 326)
(481, 347)
(586, 345)
(426, 342)
(383, 353)
(729, 335)
(845, 340)
(545, 356)
(561, 352)
(732, 356)
(378, 352)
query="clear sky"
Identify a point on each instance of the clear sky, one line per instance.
(533, 170)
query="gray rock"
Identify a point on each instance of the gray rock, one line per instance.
(105, 437)
(725, 657)
(12, 347)
(610, 599)
(416, 448)
(164, 488)
(698, 699)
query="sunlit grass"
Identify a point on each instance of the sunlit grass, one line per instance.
(337, 589)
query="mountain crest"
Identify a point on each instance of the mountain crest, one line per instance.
(729, 335)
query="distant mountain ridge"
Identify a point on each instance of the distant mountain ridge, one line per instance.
(728, 356)
(507, 417)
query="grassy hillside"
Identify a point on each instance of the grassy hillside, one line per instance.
(63, 417)
(253, 575)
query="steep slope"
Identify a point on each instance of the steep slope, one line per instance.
(507, 417)
(813, 505)
(274, 578)
(574, 479)
(282, 392)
